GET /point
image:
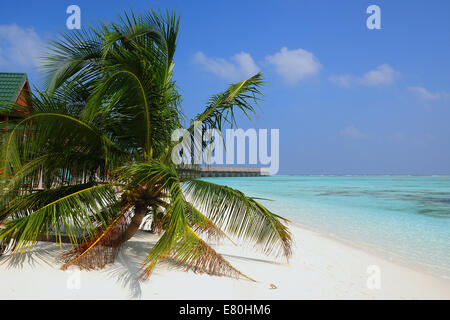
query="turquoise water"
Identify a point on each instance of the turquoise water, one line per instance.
(404, 218)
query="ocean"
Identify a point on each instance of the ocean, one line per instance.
(405, 219)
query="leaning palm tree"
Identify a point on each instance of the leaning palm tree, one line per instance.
(92, 158)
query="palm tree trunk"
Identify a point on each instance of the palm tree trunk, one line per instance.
(139, 213)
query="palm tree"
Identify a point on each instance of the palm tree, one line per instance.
(91, 159)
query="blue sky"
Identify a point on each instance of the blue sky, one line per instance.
(347, 100)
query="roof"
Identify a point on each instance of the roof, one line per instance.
(10, 85)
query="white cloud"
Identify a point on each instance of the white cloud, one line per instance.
(294, 65)
(426, 95)
(353, 132)
(382, 75)
(19, 47)
(241, 66)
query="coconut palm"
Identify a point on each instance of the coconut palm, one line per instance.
(92, 158)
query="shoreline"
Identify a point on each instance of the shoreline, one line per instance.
(399, 226)
(372, 250)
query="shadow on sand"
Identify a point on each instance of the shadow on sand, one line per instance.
(43, 253)
(126, 270)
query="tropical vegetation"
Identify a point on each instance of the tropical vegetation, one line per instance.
(90, 160)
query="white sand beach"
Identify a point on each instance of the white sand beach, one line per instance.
(321, 268)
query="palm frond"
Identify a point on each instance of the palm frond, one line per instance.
(201, 223)
(181, 244)
(74, 56)
(239, 215)
(222, 107)
(140, 173)
(75, 210)
(193, 253)
(176, 226)
(101, 249)
(62, 135)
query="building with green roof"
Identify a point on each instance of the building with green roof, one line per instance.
(14, 94)
(14, 98)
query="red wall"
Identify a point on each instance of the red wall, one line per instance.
(21, 101)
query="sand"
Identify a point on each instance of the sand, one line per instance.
(321, 268)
